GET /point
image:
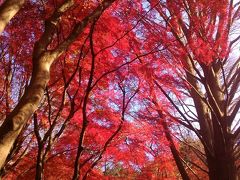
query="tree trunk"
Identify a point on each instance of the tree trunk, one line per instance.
(222, 166)
(28, 104)
(173, 148)
(175, 153)
(221, 163)
(40, 164)
(42, 60)
(7, 10)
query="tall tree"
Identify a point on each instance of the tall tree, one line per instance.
(42, 59)
(199, 43)
(144, 89)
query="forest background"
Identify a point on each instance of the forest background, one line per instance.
(119, 89)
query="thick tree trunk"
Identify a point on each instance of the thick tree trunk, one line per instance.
(221, 162)
(7, 10)
(14, 123)
(42, 60)
(222, 166)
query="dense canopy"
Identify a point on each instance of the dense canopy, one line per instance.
(119, 89)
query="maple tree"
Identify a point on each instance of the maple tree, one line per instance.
(119, 89)
(199, 43)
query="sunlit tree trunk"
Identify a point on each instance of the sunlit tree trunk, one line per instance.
(42, 61)
(7, 10)
(212, 85)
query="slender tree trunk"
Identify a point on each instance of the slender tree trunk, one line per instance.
(175, 153)
(40, 164)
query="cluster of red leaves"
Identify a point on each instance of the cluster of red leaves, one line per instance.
(133, 47)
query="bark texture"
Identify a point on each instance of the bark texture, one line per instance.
(42, 61)
(7, 10)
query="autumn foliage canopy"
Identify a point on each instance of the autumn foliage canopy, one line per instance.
(119, 89)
